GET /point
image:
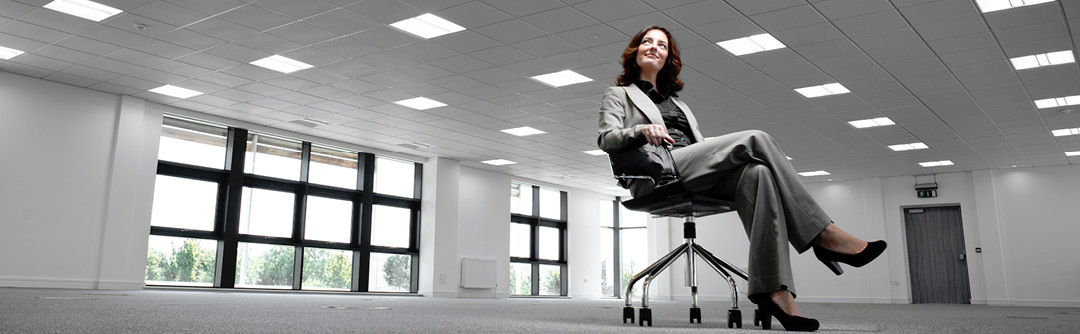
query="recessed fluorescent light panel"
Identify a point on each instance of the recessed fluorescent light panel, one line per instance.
(823, 90)
(1043, 59)
(281, 64)
(987, 6)
(8, 53)
(561, 78)
(908, 147)
(814, 173)
(867, 123)
(177, 92)
(936, 163)
(1066, 132)
(89, 10)
(427, 26)
(1057, 102)
(523, 131)
(752, 44)
(595, 152)
(421, 103)
(1073, 154)
(499, 162)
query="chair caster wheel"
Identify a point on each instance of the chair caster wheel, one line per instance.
(646, 315)
(734, 318)
(695, 314)
(627, 314)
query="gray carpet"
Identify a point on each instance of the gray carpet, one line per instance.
(201, 311)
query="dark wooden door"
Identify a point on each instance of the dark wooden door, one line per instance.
(936, 255)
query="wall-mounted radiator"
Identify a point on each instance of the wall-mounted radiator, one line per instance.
(477, 273)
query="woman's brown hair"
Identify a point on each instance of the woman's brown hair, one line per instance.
(667, 81)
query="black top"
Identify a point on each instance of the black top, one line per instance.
(674, 118)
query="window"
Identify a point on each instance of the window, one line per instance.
(537, 241)
(623, 232)
(233, 208)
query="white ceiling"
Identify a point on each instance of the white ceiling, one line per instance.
(939, 69)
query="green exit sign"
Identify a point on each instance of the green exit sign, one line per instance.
(926, 193)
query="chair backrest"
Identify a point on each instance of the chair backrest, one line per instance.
(670, 198)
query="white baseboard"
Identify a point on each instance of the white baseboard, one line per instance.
(41, 282)
(1032, 302)
(478, 293)
(121, 285)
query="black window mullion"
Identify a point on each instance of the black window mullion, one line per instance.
(366, 170)
(225, 266)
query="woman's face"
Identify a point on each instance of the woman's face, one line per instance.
(653, 51)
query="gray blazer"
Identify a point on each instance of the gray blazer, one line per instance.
(624, 112)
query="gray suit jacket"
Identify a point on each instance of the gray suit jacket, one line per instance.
(624, 112)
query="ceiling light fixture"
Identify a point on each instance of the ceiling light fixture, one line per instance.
(499, 162)
(823, 90)
(177, 92)
(1057, 102)
(561, 78)
(814, 173)
(867, 123)
(752, 44)
(936, 163)
(8, 53)
(595, 152)
(281, 64)
(1043, 59)
(1072, 154)
(1066, 132)
(907, 147)
(89, 10)
(987, 6)
(427, 26)
(421, 103)
(523, 131)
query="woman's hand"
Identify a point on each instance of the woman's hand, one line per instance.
(656, 135)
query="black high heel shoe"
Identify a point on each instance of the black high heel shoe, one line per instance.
(830, 258)
(767, 309)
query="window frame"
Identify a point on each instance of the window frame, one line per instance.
(232, 179)
(535, 221)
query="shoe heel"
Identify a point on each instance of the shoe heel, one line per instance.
(834, 266)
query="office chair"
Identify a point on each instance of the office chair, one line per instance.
(671, 199)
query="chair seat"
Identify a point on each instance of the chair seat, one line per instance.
(674, 200)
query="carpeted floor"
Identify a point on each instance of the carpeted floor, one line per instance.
(198, 311)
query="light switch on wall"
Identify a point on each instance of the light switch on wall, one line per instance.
(442, 279)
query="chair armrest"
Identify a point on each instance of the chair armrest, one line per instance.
(645, 162)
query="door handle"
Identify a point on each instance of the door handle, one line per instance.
(963, 256)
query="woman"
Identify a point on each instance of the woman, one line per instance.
(746, 166)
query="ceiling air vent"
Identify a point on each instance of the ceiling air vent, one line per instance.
(416, 145)
(309, 122)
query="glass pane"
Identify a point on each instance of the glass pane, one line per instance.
(634, 254)
(390, 226)
(520, 278)
(550, 280)
(521, 199)
(550, 204)
(272, 156)
(180, 261)
(184, 203)
(327, 269)
(390, 272)
(266, 212)
(629, 218)
(328, 219)
(549, 243)
(394, 177)
(332, 167)
(264, 266)
(520, 240)
(607, 216)
(193, 143)
(607, 263)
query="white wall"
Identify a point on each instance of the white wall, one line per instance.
(73, 203)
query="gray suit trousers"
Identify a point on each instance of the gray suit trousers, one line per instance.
(774, 206)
